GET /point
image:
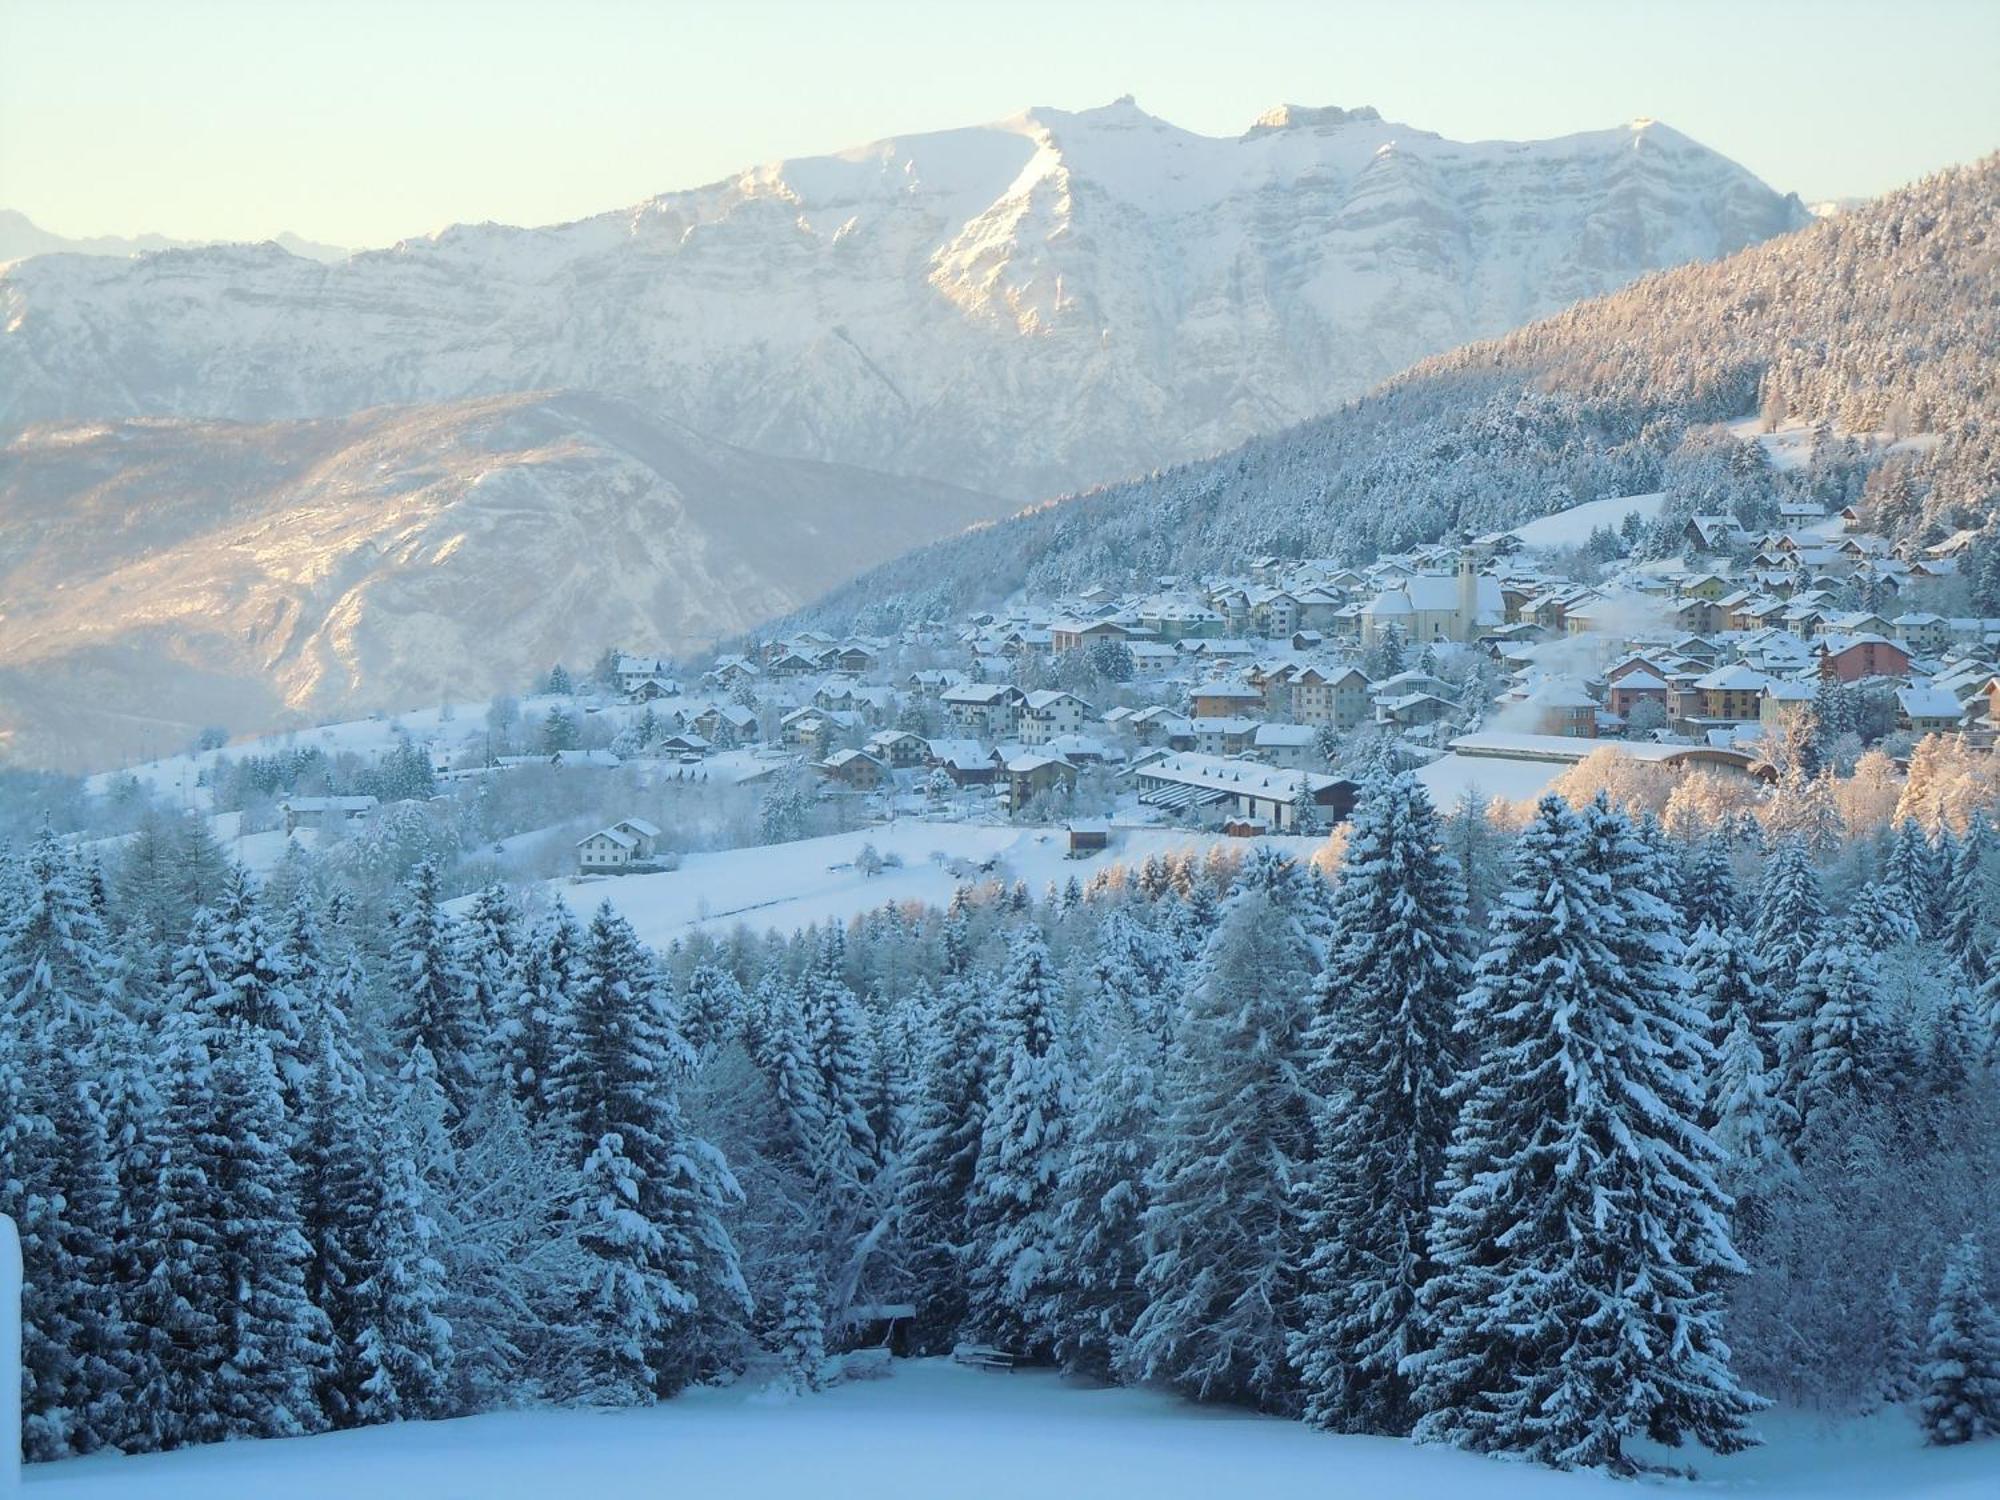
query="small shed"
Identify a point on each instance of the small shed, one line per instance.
(1088, 838)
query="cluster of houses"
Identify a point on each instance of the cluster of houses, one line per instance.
(1220, 699)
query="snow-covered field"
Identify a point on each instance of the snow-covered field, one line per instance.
(1572, 527)
(934, 1431)
(788, 886)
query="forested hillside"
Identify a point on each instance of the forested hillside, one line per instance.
(1877, 325)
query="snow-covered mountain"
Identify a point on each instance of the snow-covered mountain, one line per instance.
(243, 482)
(156, 576)
(1029, 306)
(21, 237)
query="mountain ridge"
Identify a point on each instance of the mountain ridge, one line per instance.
(1038, 303)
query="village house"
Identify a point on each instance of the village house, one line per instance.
(1292, 746)
(1226, 734)
(1341, 697)
(1242, 789)
(625, 844)
(966, 762)
(1732, 694)
(1929, 710)
(642, 678)
(1031, 774)
(1217, 700)
(855, 769)
(324, 814)
(1849, 658)
(1049, 713)
(1632, 688)
(991, 710)
(897, 748)
(726, 724)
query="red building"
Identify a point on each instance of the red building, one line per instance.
(1849, 658)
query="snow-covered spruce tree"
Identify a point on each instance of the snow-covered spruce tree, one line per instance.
(404, 1344)
(711, 1007)
(1011, 1270)
(652, 1195)
(1832, 1046)
(258, 983)
(1579, 1236)
(429, 991)
(1222, 1236)
(1961, 1373)
(1902, 1359)
(58, 992)
(489, 955)
(1748, 1126)
(1967, 932)
(1791, 911)
(530, 1030)
(1137, 970)
(801, 1331)
(1708, 894)
(1102, 1195)
(1910, 879)
(837, 1034)
(186, 1285)
(934, 1188)
(340, 1172)
(232, 1255)
(1879, 919)
(1723, 979)
(1381, 1060)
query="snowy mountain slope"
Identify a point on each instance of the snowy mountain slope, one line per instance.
(161, 575)
(21, 237)
(1033, 305)
(1877, 321)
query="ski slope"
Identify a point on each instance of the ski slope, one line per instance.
(934, 1431)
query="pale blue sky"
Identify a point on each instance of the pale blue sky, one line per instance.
(361, 121)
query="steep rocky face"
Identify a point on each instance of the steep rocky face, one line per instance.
(1049, 301)
(160, 575)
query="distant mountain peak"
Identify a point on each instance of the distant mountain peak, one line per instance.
(1304, 117)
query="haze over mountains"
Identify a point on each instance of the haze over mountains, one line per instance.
(21, 237)
(997, 314)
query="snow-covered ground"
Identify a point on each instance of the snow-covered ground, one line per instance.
(788, 886)
(1487, 776)
(935, 1430)
(1572, 527)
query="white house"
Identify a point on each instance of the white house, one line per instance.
(628, 842)
(1049, 714)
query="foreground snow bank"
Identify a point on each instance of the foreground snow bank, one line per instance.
(938, 1430)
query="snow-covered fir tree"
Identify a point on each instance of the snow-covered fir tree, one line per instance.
(1381, 1061)
(1102, 1192)
(429, 990)
(1011, 1269)
(1791, 910)
(1222, 1235)
(1560, 1330)
(652, 1196)
(1961, 1372)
